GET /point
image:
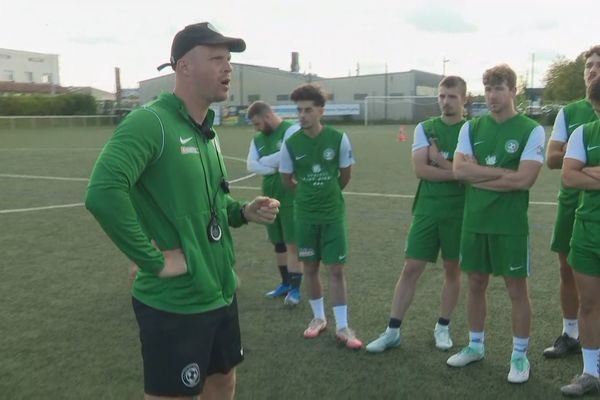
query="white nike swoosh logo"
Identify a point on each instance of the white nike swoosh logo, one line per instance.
(260, 148)
(516, 268)
(341, 257)
(184, 141)
(476, 143)
(590, 148)
(301, 157)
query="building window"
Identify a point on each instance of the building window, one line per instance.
(29, 76)
(9, 75)
(359, 96)
(47, 78)
(253, 97)
(36, 59)
(399, 94)
(283, 97)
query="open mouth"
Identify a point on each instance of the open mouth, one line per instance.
(225, 82)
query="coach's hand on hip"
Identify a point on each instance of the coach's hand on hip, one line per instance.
(261, 210)
(175, 263)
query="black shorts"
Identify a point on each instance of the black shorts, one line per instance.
(180, 350)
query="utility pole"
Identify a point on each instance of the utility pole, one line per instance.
(385, 116)
(119, 92)
(444, 61)
(532, 67)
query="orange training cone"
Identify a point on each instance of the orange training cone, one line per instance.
(401, 134)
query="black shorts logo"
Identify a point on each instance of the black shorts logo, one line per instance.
(190, 375)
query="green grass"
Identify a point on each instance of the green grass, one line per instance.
(67, 330)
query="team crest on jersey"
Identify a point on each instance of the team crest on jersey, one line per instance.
(316, 168)
(328, 154)
(511, 146)
(444, 154)
(490, 160)
(190, 375)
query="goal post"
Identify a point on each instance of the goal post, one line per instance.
(406, 109)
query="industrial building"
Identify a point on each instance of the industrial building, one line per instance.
(28, 67)
(396, 96)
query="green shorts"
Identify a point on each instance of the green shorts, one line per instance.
(327, 243)
(563, 228)
(500, 255)
(427, 235)
(584, 256)
(282, 229)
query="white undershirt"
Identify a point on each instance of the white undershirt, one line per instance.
(575, 147)
(267, 165)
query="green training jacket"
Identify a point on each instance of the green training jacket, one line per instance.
(155, 179)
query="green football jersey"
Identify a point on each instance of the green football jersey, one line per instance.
(498, 145)
(589, 207)
(575, 114)
(441, 199)
(272, 185)
(316, 169)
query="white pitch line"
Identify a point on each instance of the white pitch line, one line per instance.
(391, 195)
(86, 149)
(544, 203)
(401, 196)
(243, 178)
(53, 178)
(59, 178)
(366, 194)
(16, 210)
(52, 149)
(235, 158)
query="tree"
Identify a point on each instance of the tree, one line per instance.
(521, 100)
(564, 80)
(64, 104)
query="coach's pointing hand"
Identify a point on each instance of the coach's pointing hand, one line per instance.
(262, 210)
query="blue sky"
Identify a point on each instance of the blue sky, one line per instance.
(331, 36)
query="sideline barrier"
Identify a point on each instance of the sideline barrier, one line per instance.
(49, 121)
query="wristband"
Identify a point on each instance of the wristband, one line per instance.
(244, 219)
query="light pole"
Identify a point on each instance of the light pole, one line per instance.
(444, 61)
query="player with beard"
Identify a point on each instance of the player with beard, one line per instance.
(567, 120)
(263, 159)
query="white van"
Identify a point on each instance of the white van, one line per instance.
(478, 109)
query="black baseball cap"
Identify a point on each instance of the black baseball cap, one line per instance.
(202, 33)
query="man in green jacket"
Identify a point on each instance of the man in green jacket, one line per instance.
(159, 191)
